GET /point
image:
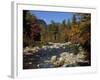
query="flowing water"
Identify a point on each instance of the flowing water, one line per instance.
(41, 59)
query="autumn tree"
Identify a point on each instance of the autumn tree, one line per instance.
(85, 27)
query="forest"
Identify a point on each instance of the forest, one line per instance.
(58, 44)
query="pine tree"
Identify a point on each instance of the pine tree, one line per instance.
(69, 24)
(74, 19)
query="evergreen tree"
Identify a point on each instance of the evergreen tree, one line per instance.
(74, 19)
(69, 24)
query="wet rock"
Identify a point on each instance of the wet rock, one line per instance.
(32, 50)
(53, 59)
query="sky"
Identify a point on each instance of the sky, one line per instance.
(48, 16)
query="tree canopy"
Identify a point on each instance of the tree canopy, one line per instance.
(76, 30)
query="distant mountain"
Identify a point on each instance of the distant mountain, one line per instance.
(42, 22)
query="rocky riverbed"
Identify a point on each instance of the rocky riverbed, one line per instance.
(55, 55)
